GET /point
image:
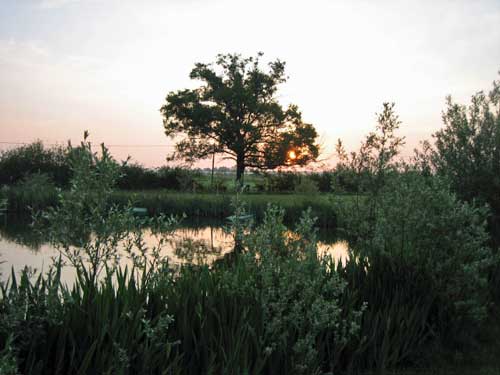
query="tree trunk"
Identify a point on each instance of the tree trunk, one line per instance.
(240, 170)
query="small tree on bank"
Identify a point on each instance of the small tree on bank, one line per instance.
(236, 113)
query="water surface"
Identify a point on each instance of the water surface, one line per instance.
(192, 242)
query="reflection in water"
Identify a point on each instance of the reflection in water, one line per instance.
(194, 242)
(337, 250)
(19, 230)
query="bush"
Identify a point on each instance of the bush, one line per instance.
(306, 185)
(34, 158)
(467, 149)
(32, 193)
(309, 319)
(425, 223)
(137, 177)
(281, 182)
(323, 181)
(423, 246)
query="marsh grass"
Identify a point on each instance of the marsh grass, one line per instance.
(34, 192)
(205, 205)
(195, 205)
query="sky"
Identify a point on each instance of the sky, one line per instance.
(106, 66)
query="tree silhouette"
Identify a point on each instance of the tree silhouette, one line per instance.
(235, 112)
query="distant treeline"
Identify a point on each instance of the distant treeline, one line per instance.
(20, 165)
(27, 162)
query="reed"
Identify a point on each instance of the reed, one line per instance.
(219, 206)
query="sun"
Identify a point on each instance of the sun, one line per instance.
(292, 155)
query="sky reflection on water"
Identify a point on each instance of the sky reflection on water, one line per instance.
(192, 243)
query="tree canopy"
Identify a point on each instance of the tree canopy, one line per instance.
(235, 112)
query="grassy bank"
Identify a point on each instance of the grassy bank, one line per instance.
(220, 205)
(194, 205)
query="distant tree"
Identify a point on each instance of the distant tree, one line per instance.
(236, 113)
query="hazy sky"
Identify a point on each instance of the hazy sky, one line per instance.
(107, 65)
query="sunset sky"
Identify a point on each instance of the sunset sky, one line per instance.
(107, 65)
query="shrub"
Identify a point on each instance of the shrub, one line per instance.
(34, 158)
(310, 321)
(281, 181)
(33, 192)
(323, 181)
(135, 177)
(306, 185)
(423, 244)
(467, 149)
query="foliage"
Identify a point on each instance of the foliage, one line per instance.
(206, 205)
(136, 177)
(419, 222)
(3, 203)
(411, 222)
(102, 323)
(396, 329)
(89, 328)
(89, 229)
(236, 113)
(375, 160)
(32, 193)
(309, 321)
(306, 185)
(467, 149)
(34, 158)
(281, 181)
(8, 361)
(323, 180)
(274, 307)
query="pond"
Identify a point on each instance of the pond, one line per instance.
(192, 242)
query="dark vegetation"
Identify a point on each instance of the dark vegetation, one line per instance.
(420, 288)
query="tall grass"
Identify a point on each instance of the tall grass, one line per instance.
(34, 192)
(219, 205)
(23, 198)
(88, 329)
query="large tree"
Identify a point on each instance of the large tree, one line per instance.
(235, 112)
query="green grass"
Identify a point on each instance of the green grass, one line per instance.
(227, 181)
(207, 205)
(194, 205)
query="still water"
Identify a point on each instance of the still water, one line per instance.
(192, 242)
